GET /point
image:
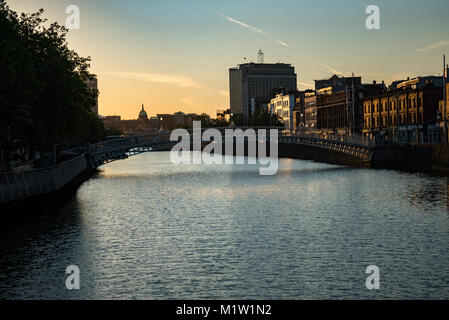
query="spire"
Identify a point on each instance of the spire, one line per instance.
(142, 107)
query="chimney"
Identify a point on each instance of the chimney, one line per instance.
(374, 82)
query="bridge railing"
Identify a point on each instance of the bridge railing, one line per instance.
(351, 139)
(18, 185)
(161, 137)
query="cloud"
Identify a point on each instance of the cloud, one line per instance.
(178, 80)
(333, 70)
(439, 44)
(247, 26)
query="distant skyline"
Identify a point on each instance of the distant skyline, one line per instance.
(175, 55)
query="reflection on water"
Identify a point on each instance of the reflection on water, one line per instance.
(146, 229)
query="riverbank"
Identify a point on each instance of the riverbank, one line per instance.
(24, 192)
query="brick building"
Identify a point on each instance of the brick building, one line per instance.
(407, 114)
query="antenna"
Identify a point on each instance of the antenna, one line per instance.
(260, 56)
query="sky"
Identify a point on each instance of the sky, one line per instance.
(175, 55)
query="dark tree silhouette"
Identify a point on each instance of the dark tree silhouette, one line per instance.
(44, 99)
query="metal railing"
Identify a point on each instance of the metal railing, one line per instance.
(19, 185)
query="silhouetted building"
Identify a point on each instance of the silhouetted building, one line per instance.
(141, 125)
(337, 83)
(176, 120)
(112, 122)
(341, 111)
(257, 81)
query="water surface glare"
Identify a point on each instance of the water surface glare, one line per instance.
(143, 228)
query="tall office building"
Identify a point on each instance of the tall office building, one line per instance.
(251, 82)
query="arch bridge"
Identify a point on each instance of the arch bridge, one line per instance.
(353, 146)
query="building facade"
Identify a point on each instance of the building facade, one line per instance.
(140, 126)
(443, 115)
(299, 114)
(251, 81)
(224, 115)
(310, 111)
(407, 114)
(337, 83)
(176, 120)
(283, 104)
(342, 112)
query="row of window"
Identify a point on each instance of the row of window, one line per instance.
(412, 103)
(412, 118)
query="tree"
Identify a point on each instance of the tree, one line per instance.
(44, 98)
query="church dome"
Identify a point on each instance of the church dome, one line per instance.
(143, 113)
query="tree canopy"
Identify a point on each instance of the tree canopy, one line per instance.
(44, 98)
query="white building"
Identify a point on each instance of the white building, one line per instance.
(283, 105)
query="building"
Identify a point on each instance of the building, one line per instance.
(406, 114)
(334, 110)
(283, 105)
(224, 115)
(112, 122)
(310, 110)
(251, 81)
(341, 110)
(443, 114)
(299, 116)
(141, 125)
(92, 84)
(176, 120)
(336, 83)
(421, 82)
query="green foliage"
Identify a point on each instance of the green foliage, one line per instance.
(43, 95)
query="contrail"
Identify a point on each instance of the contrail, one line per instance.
(305, 84)
(439, 44)
(250, 28)
(333, 70)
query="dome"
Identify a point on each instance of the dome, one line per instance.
(143, 113)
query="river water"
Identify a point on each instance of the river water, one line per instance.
(143, 228)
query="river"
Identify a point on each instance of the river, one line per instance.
(143, 228)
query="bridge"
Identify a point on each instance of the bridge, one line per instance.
(354, 146)
(25, 184)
